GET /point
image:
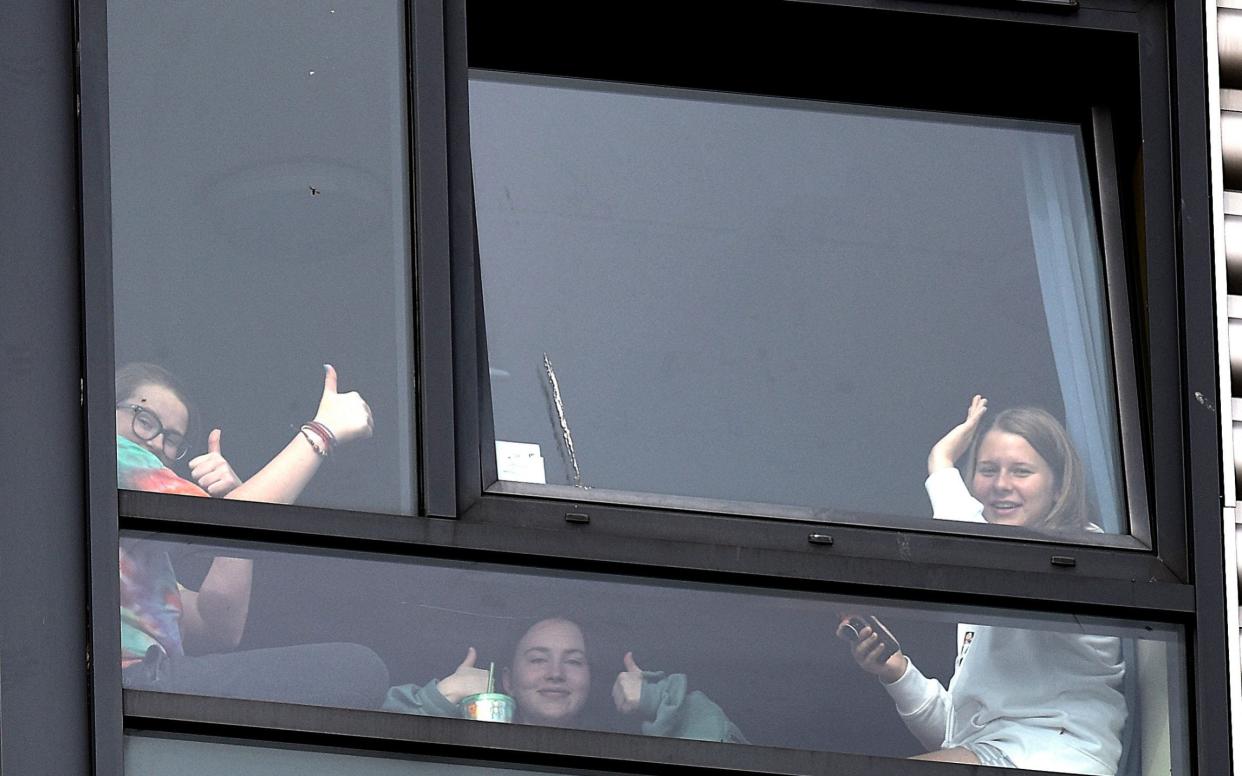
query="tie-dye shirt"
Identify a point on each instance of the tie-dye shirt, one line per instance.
(137, 468)
(150, 597)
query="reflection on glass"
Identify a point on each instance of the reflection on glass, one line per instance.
(260, 225)
(1041, 691)
(151, 756)
(721, 299)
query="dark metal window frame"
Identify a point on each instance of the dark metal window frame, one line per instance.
(44, 671)
(1149, 484)
(1098, 139)
(459, 519)
(363, 732)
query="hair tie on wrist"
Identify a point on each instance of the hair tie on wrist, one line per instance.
(317, 440)
(324, 431)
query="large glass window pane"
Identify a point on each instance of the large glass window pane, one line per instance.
(699, 299)
(1054, 692)
(159, 756)
(261, 229)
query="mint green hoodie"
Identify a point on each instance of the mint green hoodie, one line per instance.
(665, 707)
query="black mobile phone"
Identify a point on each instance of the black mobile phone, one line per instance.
(852, 628)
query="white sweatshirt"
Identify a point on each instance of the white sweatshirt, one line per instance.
(1050, 700)
(950, 499)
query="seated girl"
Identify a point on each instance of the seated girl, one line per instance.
(161, 621)
(1019, 697)
(549, 678)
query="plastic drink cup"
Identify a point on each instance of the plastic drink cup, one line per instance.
(488, 707)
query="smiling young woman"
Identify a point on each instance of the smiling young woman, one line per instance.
(1014, 482)
(1023, 470)
(1068, 711)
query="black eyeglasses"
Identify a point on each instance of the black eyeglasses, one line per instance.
(147, 426)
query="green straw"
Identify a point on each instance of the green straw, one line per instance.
(491, 677)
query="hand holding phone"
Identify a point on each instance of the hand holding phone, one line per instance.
(874, 646)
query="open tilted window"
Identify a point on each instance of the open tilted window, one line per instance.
(701, 294)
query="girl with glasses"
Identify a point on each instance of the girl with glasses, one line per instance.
(169, 632)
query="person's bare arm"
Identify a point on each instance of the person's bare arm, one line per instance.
(282, 480)
(213, 618)
(953, 445)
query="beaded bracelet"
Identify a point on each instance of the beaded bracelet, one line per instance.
(317, 441)
(324, 432)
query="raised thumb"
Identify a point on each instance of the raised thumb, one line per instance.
(329, 379)
(213, 441)
(630, 665)
(469, 661)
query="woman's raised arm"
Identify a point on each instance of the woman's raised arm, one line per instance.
(346, 417)
(953, 445)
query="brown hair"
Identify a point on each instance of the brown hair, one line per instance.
(134, 375)
(527, 625)
(1047, 436)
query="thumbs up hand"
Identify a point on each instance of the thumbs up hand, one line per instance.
(346, 415)
(627, 691)
(212, 471)
(466, 680)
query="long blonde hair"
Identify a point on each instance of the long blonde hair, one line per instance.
(1048, 437)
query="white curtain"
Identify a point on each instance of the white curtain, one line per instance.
(1070, 266)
